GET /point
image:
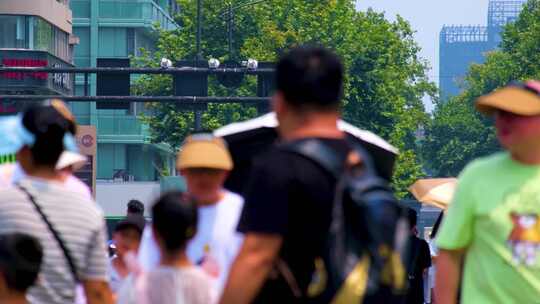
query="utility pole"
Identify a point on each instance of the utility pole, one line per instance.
(199, 31)
(229, 13)
(230, 28)
(198, 113)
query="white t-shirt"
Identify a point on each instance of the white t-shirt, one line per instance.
(167, 285)
(14, 173)
(216, 234)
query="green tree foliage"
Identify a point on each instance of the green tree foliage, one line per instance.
(385, 80)
(458, 133)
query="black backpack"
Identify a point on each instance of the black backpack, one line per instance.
(363, 259)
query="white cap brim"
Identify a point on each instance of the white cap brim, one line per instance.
(68, 158)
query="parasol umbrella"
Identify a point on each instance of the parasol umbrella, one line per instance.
(437, 192)
(248, 139)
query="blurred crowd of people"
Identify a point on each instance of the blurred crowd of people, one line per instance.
(268, 244)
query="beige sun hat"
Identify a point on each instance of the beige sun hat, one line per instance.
(521, 98)
(204, 151)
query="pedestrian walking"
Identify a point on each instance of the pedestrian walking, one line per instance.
(68, 224)
(135, 207)
(290, 196)
(419, 263)
(20, 260)
(493, 223)
(175, 279)
(69, 160)
(126, 238)
(205, 162)
(434, 251)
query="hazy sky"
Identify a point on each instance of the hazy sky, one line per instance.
(427, 18)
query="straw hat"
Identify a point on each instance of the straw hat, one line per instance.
(517, 98)
(204, 151)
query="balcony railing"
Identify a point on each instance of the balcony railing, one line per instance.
(119, 125)
(144, 11)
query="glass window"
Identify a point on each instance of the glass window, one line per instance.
(13, 32)
(29, 32)
(43, 36)
(62, 44)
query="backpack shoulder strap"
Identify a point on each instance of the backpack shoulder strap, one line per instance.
(315, 150)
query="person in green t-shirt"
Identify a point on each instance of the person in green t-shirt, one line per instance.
(492, 228)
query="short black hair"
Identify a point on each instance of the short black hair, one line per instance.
(310, 77)
(49, 127)
(135, 206)
(134, 221)
(412, 216)
(174, 218)
(71, 127)
(21, 256)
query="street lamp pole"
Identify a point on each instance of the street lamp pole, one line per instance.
(199, 30)
(198, 114)
(230, 13)
(230, 23)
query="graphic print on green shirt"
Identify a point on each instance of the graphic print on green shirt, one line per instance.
(524, 238)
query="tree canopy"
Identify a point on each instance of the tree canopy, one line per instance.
(458, 133)
(385, 81)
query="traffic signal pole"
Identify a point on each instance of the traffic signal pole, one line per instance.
(181, 100)
(175, 71)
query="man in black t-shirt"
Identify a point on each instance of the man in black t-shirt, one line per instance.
(287, 212)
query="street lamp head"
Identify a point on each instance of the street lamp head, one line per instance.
(213, 63)
(165, 63)
(252, 64)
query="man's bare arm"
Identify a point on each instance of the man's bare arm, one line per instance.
(97, 292)
(251, 267)
(448, 276)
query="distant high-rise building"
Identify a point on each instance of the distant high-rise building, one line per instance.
(462, 45)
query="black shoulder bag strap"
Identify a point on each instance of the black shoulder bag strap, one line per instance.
(319, 153)
(54, 232)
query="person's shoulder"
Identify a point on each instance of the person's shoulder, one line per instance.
(274, 164)
(9, 189)
(197, 275)
(10, 194)
(424, 244)
(232, 198)
(82, 201)
(281, 155)
(78, 186)
(79, 201)
(486, 164)
(275, 153)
